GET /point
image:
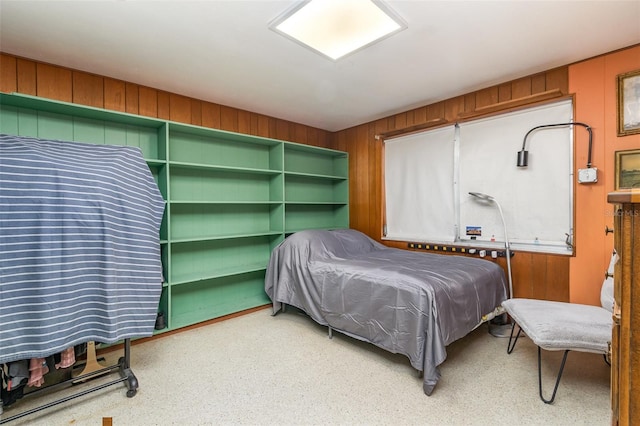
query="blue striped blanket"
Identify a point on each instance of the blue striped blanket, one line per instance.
(79, 245)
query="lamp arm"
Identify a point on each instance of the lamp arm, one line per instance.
(586, 126)
(507, 246)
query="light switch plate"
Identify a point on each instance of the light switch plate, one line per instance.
(589, 175)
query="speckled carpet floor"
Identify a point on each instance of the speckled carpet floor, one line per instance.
(258, 369)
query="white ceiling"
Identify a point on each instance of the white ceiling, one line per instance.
(223, 51)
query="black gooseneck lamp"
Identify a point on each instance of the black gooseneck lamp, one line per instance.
(523, 155)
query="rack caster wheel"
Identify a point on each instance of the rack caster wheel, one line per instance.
(131, 393)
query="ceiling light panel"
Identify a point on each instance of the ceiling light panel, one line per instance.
(336, 28)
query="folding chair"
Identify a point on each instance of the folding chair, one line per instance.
(562, 326)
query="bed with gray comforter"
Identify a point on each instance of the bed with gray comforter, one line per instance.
(406, 302)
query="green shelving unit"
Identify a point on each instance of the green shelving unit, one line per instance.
(231, 198)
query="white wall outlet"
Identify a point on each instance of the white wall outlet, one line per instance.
(589, 175)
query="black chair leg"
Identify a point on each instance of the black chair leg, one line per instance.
(555, 388)
(509, 345)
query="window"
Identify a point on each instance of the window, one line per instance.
(428, 177)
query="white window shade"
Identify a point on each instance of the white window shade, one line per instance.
(536, 200)
(419, 186)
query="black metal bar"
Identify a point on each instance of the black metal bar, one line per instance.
(555, 388)
(127, 353)
(509, 345)
(61, 400)
(72, 381)
(126, 375)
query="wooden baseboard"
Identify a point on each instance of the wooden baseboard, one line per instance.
(120, 346)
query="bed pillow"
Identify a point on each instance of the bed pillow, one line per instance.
(355, 242)
(317, 244)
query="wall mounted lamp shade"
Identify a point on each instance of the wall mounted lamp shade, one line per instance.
(523, 158)
(523, 154)
(336, 28)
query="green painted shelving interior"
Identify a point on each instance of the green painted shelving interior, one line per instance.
(231, 198)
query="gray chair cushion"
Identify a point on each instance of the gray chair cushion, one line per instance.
(559, 326)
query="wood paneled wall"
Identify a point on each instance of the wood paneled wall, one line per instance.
(365, 151)
(63, 84)
(534, 275)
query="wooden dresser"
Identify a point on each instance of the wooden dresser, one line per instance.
(625, 345)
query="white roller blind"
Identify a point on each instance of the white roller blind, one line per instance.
(536, 200)
(419, 186)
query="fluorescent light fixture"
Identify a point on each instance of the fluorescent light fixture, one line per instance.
(336, 28)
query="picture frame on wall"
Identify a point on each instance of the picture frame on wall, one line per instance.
(628, 103)
(628, 169)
